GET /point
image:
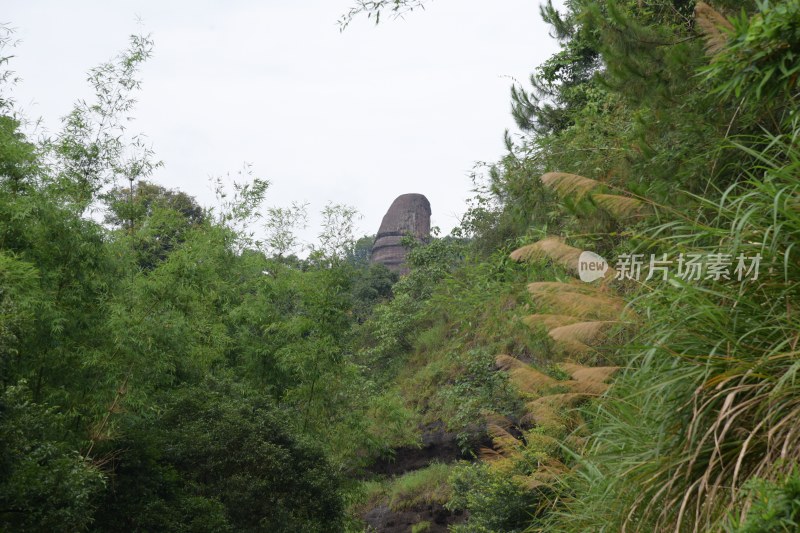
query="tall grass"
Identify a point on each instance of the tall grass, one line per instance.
(711, 398)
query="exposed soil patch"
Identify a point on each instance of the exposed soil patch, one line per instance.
(438, 445)
(382, 519)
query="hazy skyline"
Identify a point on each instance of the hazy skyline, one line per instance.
(357, 117)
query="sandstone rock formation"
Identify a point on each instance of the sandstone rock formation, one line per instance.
(409, 214)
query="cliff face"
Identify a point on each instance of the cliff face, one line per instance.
(409, 214)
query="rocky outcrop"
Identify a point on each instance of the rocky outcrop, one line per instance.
(409, 214)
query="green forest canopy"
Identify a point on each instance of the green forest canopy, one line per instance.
(165, 370)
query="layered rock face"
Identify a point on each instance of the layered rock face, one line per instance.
(409, 214)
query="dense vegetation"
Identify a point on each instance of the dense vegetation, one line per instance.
(165, 370)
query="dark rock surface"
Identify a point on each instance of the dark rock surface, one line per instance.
(438, 445)
(383, 520)
(409, 214)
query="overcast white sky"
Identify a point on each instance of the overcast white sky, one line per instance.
(358, 117)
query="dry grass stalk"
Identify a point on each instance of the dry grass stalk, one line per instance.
(714, 27)
(572, 348)
(589, 373)
(497, 460)
(541, 414)
(565, 184)
(542, 441)
(576, 442)
(562, 400)
(520, 255)
(489, 455)
(554, 466)
(598, 307)
(549, 248)
(531, 381)
(495, 419)
(507, 362)
(590, 333)
(540, 287)
(504, 442)
(552, 409)
(532, 482)
(549, 321)
(545, 476)
(526, 378)
(620, 207)
(591, 388)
